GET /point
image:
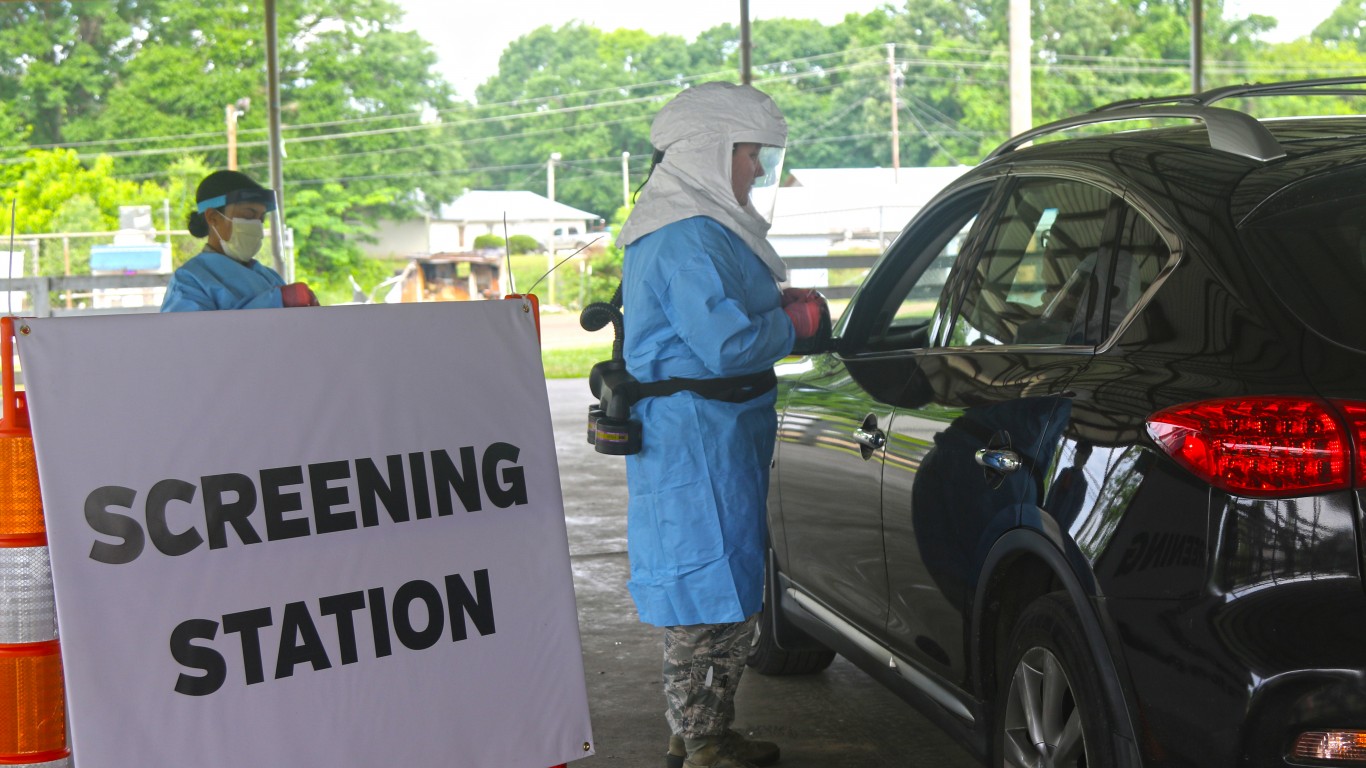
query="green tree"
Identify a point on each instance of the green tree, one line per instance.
(180, 184)
(13, 131)
(49, 178)
(578, 91)
(372, 133)
(146, 83)
(78, 213)
(58, 62)
(324, 239)
(1346, 26)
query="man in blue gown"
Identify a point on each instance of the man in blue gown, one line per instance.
(702, 301)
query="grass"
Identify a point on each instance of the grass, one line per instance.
(572, 363)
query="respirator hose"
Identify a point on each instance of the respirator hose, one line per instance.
(597, 315)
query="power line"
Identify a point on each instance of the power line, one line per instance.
(1094, 65)
(359, 134)
(557, 130)
(673, 83)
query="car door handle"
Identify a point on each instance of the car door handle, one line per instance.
(998, 459)
(872, 439)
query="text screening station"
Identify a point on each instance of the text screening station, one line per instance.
(230, 502)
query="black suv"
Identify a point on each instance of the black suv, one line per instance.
(1080, 471)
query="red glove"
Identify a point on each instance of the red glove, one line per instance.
(805, 315)
(298, 295)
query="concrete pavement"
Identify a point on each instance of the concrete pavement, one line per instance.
(839, 718)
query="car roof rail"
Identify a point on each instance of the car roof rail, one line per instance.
(1230, 131)
(1330, 86)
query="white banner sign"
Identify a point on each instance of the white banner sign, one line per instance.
(328, 537)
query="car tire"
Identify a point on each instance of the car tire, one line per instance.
(1050, 709)
(768, 659)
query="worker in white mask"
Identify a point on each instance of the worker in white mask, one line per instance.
(230, 214)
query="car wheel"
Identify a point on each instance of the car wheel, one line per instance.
(1050, 712)
(768, 659)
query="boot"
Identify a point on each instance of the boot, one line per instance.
(757, 753)
(712, 752)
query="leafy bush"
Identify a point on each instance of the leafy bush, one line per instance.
(488, 240)
(607, 264)
(520, 244)
(606, 274)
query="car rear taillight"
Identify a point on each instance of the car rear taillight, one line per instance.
(1265, 446)
(1331, 747)
(1355, 413)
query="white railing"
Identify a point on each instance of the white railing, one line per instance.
(84, 294)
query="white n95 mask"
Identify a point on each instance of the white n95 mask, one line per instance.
(245, 242)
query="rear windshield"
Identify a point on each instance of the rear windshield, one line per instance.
(1309, 242)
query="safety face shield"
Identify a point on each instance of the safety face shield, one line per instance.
(265, 197)
(764, 195)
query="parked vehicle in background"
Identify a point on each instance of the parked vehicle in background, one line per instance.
(569, 239)
(1080, 471)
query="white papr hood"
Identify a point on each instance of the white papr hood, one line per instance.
(696, 131)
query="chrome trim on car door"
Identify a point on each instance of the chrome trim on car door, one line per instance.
(874, 440)
(999, 460)
(906, 669)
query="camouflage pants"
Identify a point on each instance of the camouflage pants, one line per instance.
(702, 668)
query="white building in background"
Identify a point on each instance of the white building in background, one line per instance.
(824, 211)
(820, 210)
(454, 227)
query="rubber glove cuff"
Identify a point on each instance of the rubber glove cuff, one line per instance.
(298, 295)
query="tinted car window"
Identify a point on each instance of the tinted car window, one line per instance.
(918, 305)
(1309, 243)
(1038, 279)
(907, 292)
(1141, 255)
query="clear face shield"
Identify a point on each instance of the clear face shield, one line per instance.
(764, 195)
(265, 197)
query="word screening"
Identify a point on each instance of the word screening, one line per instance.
(273, 502)
(297, 639)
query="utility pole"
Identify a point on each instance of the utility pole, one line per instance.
(896, 131)
(1021, 88)
(234, 111)
(625, 179)
(277, 144)
(232, 137)
(1197, 45)
(746, 76)
(550, 243)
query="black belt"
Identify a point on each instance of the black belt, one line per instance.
(731, 389)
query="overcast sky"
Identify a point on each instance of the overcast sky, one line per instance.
(470, 35)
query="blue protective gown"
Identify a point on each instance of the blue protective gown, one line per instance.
(211, 280)
(698, 303)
